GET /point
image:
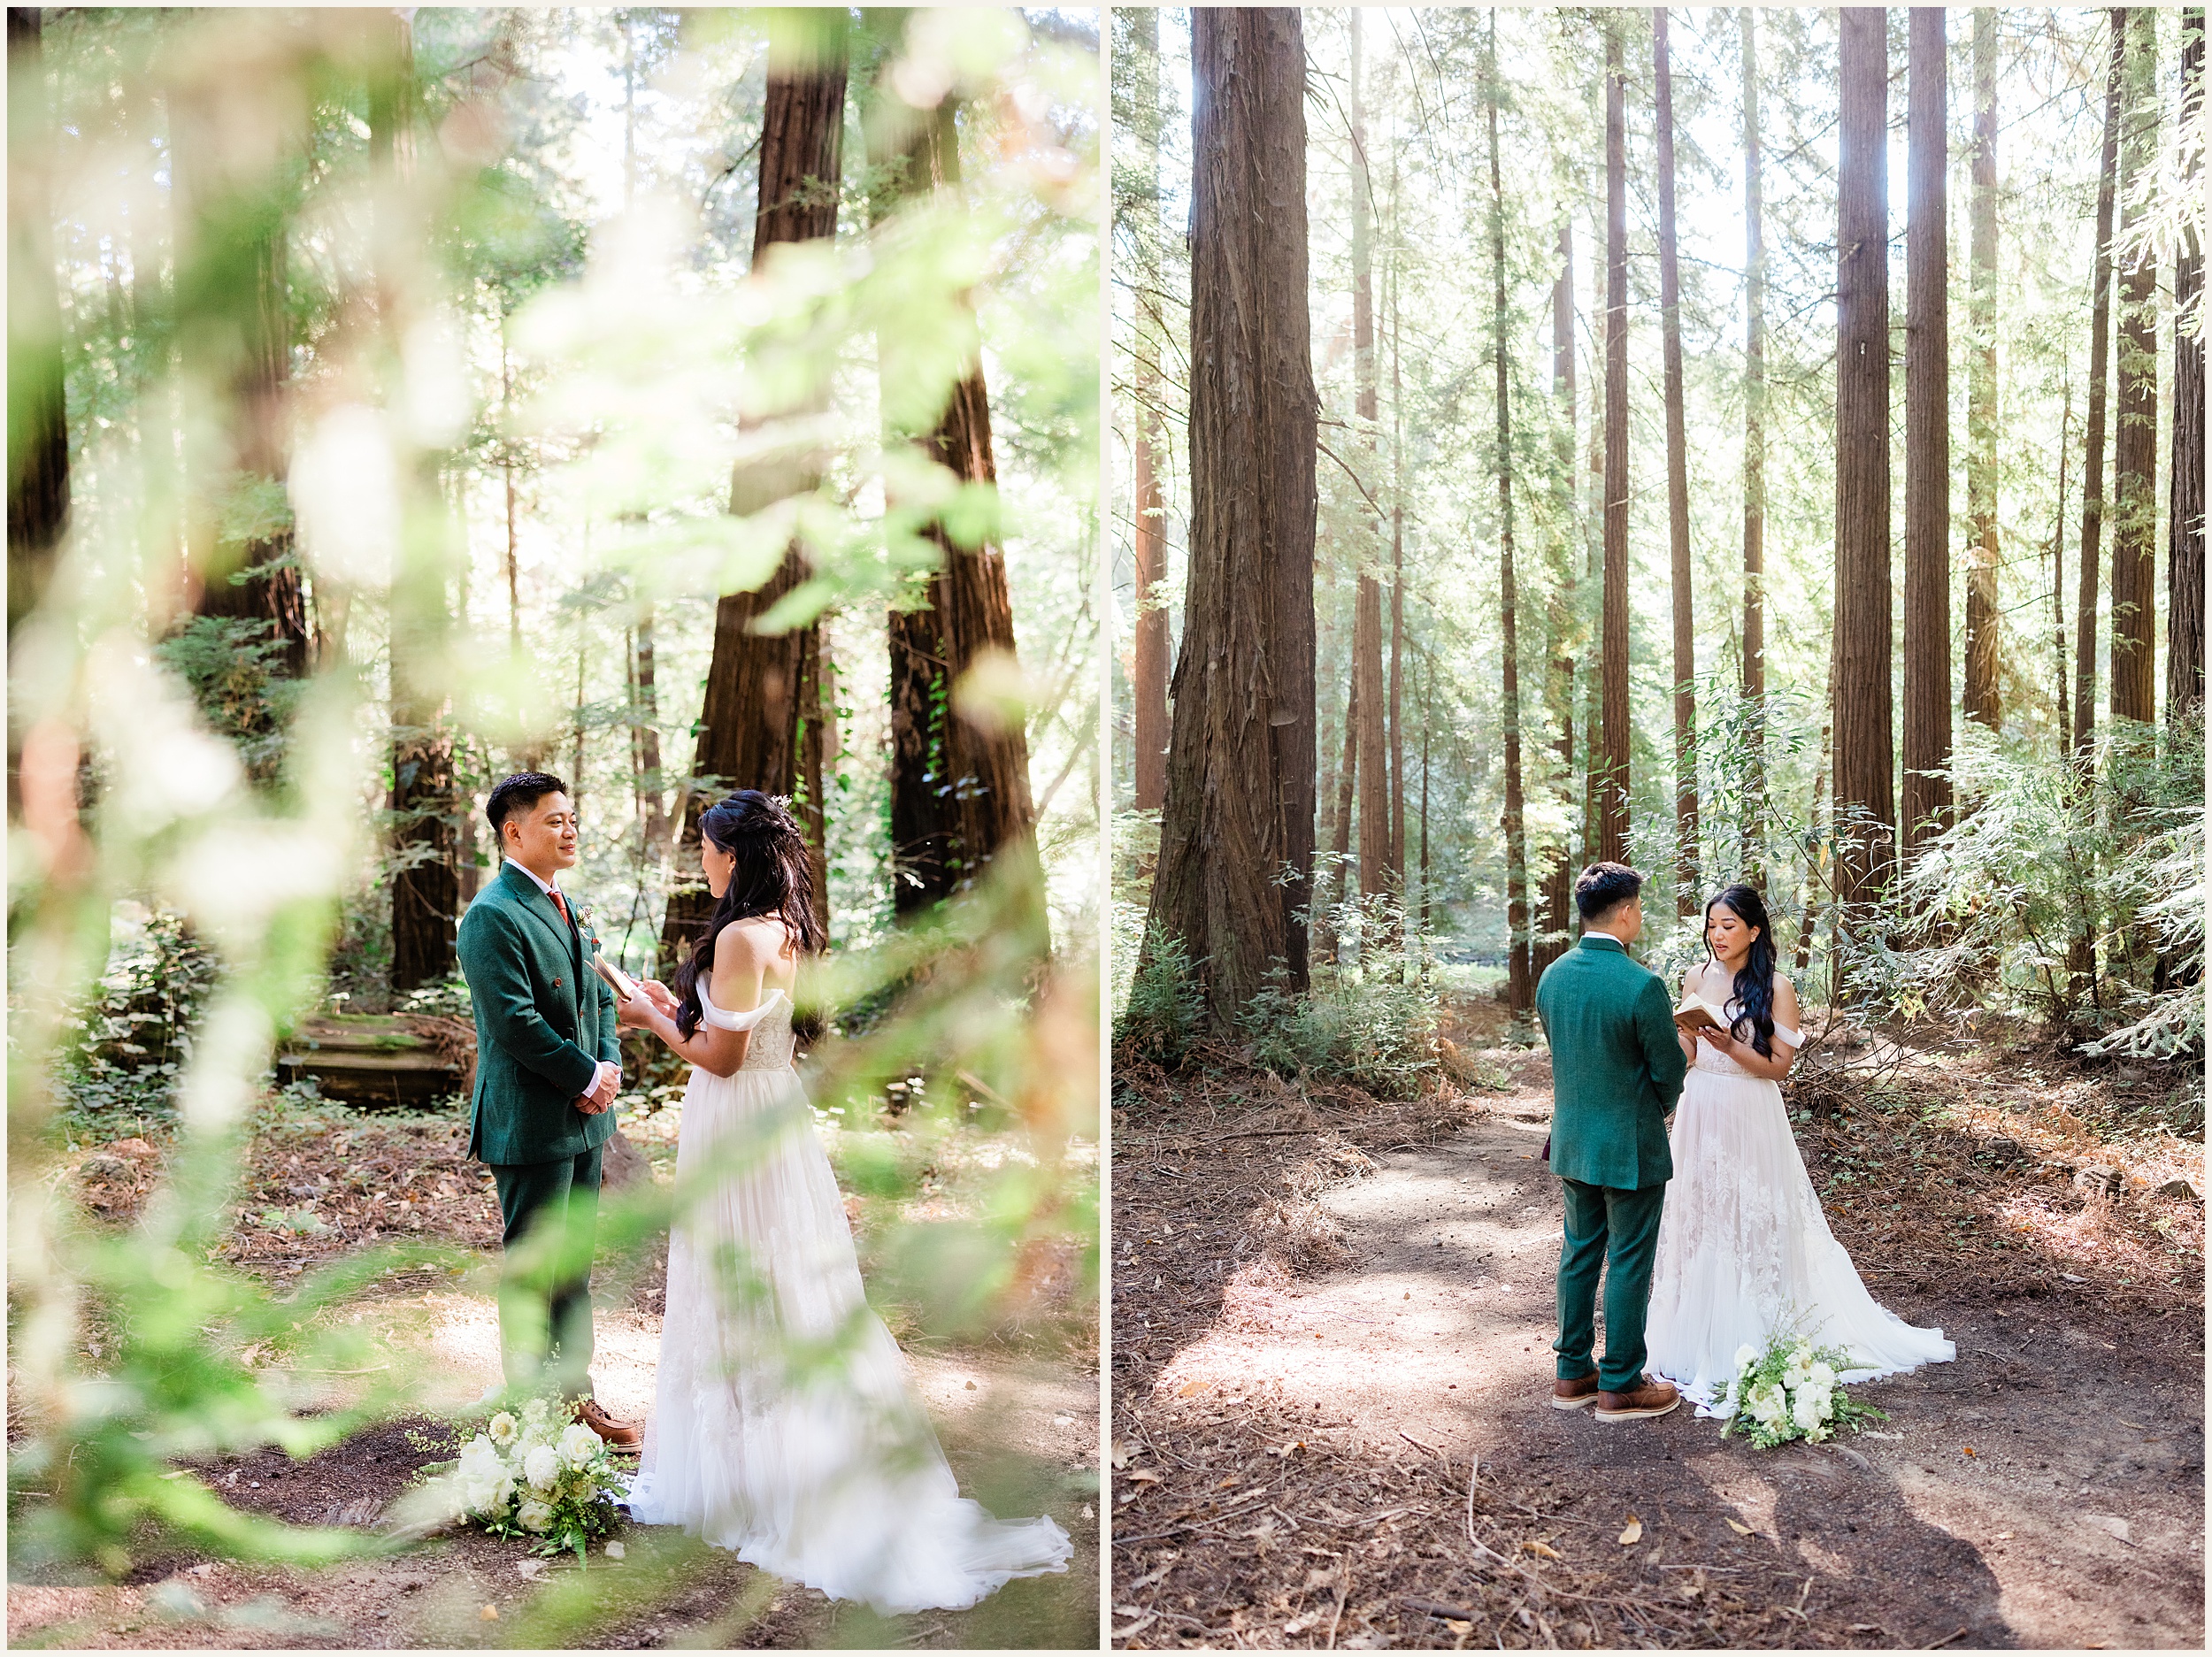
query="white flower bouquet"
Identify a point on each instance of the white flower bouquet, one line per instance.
(531, 1476)
(1790, 1391)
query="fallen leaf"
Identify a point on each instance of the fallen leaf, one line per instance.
(1966, 1449)
(489, 1614)
(1288, 1450)
(1540, 1549)
(2004, 1536)
(1741, 1530)
(1634, 1533)
(1144, 1476)
(1121, 1454)
(1188, 1387)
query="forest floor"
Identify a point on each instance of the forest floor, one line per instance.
(1018, 1416)
(1331, 1370)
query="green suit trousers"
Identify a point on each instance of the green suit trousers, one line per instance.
(1613, 1233)
(545, 1312)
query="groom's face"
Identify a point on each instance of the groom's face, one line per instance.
(542, 838)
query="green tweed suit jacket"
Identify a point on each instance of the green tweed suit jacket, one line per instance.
(1616, 1067)
(544, 1021)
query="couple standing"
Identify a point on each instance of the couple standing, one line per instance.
(783, 1428)
(1742, 1251)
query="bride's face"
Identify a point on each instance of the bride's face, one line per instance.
(716, 864)
(1727, 936)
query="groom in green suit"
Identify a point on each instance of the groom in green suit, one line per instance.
(1616, 1067)
(548, 1067)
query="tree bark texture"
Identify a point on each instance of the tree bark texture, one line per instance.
(1149, 666)
(1927, 722)
(1610, 761)
(2135, 436)
(1686, 793)
(38, 427)
(1981, 698)
(2184, 505)
(1555, 918)
(1520, 983)
(1377, 879)
(1236, 837)
(2094, 504)
(754, 729)
(1864, 789)
(1754, 449)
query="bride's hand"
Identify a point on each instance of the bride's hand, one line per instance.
(634, 1013)
(659, 995)
(1718, 1038)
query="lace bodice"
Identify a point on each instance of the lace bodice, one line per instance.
(1713, 1061)
(773, 1044)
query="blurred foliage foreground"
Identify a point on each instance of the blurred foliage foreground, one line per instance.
(137, 1352)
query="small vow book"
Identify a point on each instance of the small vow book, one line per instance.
(621, 982)
(1696, 1013)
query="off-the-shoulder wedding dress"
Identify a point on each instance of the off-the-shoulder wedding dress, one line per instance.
(784, 1426)
(1745, 1250)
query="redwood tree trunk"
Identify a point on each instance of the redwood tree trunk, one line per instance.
(1610, 760)
(1556, 890)
(1376, 876)
(2093, 500)
(1754, 441)
(2185, 517)
(1981, 700)
(1927, 723)
(1149, 667)
(1521, 986)
(1685, 800)
(1865, 789)
(38, 429)
(2135, 439)
(1240, 760)
(753, 731)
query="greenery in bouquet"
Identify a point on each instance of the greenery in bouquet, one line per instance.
(537, 1476)
(1790, 1391)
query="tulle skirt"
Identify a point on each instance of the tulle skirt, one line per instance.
(1745, 1251)
(784, 1427)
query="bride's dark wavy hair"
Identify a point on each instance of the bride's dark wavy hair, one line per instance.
(1754, 985)
(772, 875)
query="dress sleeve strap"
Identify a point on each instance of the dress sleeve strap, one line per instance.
(1788, 1036)
(709, 1013)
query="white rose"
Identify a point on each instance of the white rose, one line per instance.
(541, 1467)
(504, 1430)
(1823, 1376)
(534, 1413)
(1769, 1404)
(1746, 1356)
(1810, 1410)
(579, 1446)
(534, 1516)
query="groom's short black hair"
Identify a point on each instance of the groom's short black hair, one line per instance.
(519, 793)
(1603, 887)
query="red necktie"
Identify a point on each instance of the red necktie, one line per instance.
(559, 902)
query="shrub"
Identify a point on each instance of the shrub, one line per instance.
(124, 1048)
(1165, 1011)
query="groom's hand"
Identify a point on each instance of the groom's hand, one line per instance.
(603, 1090)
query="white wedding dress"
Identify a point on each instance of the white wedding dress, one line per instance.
(784, 1427)
(1745, 1250)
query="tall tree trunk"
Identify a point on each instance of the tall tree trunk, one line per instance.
(38, 426)
(1241, 761)
(1428, 698)
(1611, 757)
(425, 883)
(2093, 505)
(2185, 507)
(1755, 462)
(651, 787)
(1150, 666)
(2059, 683)
(1864, 787)
(1375, 873)
(1521, 986)
(1685, 802)
(239, 224)
(2135, 439)
(1555, 922)
(1341, 821)
(1981, 698)
(1927, 723)
(753, 730)
(1397, 563)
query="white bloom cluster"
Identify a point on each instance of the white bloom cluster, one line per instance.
(1788, 1393)
(523, 1471)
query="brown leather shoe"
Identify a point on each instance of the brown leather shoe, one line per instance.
(624, 1435)
(1653, 1398)
(1575, 1394)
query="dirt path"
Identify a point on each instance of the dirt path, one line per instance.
(2044, 1490)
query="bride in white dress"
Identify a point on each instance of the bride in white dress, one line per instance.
(1744, 1249)
(783, 1428)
